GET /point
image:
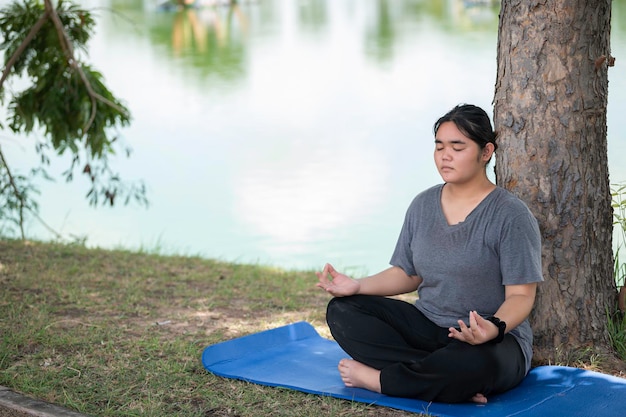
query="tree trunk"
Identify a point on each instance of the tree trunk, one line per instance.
(550, 113)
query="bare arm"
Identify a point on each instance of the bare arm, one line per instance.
(391, 281)
(518, 302)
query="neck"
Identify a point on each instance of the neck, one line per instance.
(471, 190)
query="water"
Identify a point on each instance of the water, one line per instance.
(283, 132)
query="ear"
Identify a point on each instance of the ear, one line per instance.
(488, 151)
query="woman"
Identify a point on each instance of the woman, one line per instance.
(473, 253)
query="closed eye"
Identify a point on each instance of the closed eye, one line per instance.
(456, 145)
(454, 148)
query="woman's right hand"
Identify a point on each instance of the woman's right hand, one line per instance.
(339, 285)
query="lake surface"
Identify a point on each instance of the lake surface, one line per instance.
(285, 132)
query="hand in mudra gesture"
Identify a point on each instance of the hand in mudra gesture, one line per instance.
(479, 331)
(339, 285)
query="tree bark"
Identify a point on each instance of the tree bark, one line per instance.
(550, 113)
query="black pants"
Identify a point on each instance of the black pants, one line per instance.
(416, 358)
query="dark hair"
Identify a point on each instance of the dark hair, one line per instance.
(472, 121)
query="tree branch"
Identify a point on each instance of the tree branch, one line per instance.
(50, 229)
(29, 37)
(66, 45)
(17, 192)
(23, 205)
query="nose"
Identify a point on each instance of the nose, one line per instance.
(446, 154)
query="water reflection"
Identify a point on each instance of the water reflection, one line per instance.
(294, 197)
(290, 132)
(380, 37)
(189, 32)
(312, 15)
(212, 40)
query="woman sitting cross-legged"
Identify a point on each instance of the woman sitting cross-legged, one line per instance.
(472, 251)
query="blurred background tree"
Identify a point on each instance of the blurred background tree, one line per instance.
(65, 103)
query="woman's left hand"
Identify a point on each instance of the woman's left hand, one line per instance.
(479, 331)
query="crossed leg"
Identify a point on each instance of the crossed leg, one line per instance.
(358, 375)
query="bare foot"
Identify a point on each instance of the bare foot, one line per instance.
(357, 375)
(479, 399)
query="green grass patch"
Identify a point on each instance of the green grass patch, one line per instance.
(617, 333)
(118, 333)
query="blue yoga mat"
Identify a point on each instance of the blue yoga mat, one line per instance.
(297, 357)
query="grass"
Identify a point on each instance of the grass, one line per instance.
(115, 333)
(617, 333)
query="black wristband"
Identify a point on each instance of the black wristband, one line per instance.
(501, 328)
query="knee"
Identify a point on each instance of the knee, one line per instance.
(335, 308)
(342, 310)
(340, 306)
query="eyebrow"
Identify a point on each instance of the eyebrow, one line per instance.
(453, 141)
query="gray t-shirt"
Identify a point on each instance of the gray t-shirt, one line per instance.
(465, 266)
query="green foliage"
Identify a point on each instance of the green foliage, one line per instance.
(65, 99)
(618, 194)
(17, 20)
(616, 325)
